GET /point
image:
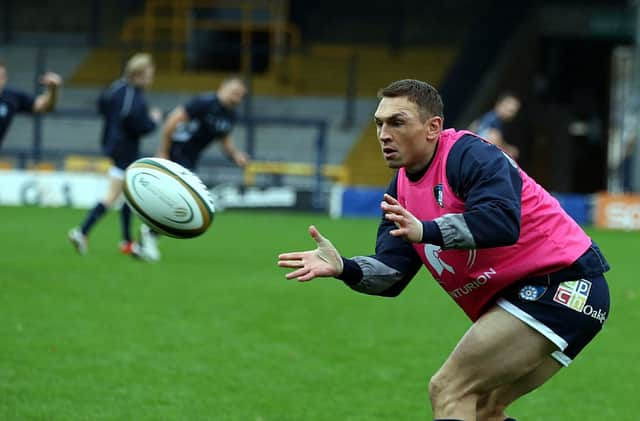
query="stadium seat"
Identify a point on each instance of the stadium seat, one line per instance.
(6, 165)
(337, 173)
(81, 163)
(44, 166)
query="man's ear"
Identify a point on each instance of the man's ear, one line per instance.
(434, 127)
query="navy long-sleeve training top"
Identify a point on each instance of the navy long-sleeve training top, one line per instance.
(490, 187)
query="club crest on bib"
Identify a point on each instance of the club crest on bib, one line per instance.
(438, 193)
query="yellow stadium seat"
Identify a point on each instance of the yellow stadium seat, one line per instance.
(337, 173)
(44, 166)
(82, 163)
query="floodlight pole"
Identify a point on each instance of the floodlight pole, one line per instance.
(7, 31)
(36, 152)
(635, 158)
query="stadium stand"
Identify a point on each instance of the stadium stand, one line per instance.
(71, 135)
(305, 74)
(312, 71)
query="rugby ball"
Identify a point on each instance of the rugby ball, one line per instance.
(168, 197)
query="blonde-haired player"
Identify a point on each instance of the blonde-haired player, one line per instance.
(127, 118)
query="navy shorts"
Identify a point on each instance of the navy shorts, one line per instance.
(121, 162)
(122, 155)
(177, 154)
(119, 166)
(568, 307)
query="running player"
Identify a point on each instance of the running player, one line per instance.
(127, 119)
(190, 129)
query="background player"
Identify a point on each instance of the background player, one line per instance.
(126, 119)
(190, 129)
(490, 126)
(207, 118)
(499, 244)
(14, 101)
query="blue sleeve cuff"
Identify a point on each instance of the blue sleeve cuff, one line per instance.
(351, 272)
(431, 233)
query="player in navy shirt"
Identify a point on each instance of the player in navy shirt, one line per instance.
(13, 101)
(127, 119)
(190, 129)
(207, 118)
(490, 125)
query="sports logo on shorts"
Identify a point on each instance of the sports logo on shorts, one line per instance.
(573, 294)
(531, 292)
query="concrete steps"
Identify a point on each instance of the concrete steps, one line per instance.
(322, 71)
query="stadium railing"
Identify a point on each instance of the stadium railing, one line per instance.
(337, 173)
(37, 156)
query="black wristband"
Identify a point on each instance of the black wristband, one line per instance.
(431, 233)
(351, 272)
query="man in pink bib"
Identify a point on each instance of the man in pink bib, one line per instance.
(524, 272)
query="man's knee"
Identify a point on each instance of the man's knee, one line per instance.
(446, 393)
(489, 407)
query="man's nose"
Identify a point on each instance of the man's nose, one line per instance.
(383, 133)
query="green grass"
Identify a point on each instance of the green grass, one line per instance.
(215, 332)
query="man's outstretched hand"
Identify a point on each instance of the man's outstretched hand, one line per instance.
(324, 261)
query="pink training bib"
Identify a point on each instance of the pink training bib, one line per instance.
(549, 238)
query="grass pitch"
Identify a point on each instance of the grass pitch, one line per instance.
(215, 332)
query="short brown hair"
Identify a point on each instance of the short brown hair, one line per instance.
(506, 94)
(425, 96)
